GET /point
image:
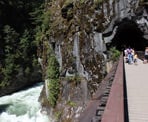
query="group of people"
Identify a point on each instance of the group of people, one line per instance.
(130, 56)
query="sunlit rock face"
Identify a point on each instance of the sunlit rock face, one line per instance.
(79, 35)
(133, 28)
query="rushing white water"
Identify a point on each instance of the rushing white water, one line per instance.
(22, 106)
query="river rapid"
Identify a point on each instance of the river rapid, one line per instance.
(22, 106)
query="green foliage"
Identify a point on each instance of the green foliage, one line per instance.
(34, 61)
(39, 36)
(71, 103)
(42, 20)
(114, 54)
(11, 53)
(46, 20)
(36, 15)
(10, 38)
(53, 68)
(27, 71)
(54, 87)
(52, 74)
(24, 43)
(17, 36)
(76, 79)
(10, 34)
(82, 1)
(11, 68)
(67, 2)
(58, 115)
(3, 84)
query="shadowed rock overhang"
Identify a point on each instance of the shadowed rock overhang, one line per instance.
(128, 34)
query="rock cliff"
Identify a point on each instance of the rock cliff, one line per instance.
(80, 35)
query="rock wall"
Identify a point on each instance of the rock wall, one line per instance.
(79, 33)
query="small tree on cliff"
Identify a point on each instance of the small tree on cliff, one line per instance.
(53, 82)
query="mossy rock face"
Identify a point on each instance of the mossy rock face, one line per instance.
(74, 19)
(73, 27)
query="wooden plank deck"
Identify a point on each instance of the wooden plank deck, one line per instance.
(137, 91)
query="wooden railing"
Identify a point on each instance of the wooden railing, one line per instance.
(114, 110)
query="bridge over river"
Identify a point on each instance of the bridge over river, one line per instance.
(126, 100)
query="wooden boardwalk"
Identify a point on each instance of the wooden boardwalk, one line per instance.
(137, 91)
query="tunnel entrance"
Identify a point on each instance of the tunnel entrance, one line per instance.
(128, 34)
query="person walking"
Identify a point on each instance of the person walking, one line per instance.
(129, 50)
(146, 55)
(126, 55)
(135, 58)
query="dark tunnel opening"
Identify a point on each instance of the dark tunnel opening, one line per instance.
(129, 35)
